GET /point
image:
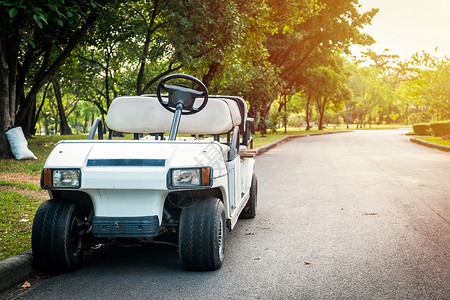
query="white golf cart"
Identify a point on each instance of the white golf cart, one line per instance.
(194, 183)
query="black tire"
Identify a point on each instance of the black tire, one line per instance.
(57, 236)
(249, 211)
(202, 235)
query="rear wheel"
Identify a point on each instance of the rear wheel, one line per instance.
(249, 211)
(202, 235)
(57, 236)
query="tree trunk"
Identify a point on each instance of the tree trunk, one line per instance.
(36, 116)
(6, 115)
(28, 125)
(142, 59)
(33, 119)
(208, 78)
(107, 95)
(56, 124)
(322, 113)
(9, 49)
(285, 114)
(346, 118)
(321, 108)
(64, 125)
(46, 125)
(308, 116)
(85, 126)
(252, 112)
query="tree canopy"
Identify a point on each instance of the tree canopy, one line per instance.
(61, 62)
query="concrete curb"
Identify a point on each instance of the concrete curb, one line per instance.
(15, 270)
(431, 145)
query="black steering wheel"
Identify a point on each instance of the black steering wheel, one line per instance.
(181, 94)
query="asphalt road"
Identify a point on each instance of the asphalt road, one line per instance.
(361, 215)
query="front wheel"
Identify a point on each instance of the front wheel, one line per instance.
(57, 236)
(202, 235)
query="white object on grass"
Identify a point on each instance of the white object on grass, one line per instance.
(18, 143)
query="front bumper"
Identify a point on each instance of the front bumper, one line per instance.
(104, 227)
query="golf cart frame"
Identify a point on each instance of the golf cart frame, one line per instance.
(190, 185)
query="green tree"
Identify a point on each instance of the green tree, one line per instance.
(242, 68)
(139, 42)
(434, 76)
(330, 25)
(327, 86)
(297, 50)
(176, 34)
(35, 39)
(102, 68)
(365, 84)
(374, 83)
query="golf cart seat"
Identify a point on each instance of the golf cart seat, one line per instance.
(144, 114)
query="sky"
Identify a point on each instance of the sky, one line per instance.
(409, 26)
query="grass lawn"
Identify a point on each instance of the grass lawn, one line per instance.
(20, 193)
(436, 140)
(41, 146)
(16, 218)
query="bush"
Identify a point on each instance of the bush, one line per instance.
(421, 129)
(441, 128)
(295, 120)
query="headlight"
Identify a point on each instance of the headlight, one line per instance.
(61, 178)
(190, 178)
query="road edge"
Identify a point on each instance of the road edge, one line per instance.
(16, 269)
(430, 145)
(260, 150)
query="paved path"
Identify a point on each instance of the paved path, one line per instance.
(361, 215)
